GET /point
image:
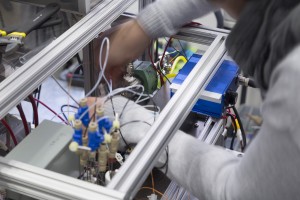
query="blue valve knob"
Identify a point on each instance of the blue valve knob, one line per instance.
(77, 136)
(105, 123)
(95, 138)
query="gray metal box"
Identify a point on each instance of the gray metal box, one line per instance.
(47, 147)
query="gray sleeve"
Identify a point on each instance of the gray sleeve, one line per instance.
(270, 166)
(165, 17)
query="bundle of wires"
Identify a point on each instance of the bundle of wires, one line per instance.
(236, 120)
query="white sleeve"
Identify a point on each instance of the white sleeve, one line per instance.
(165, 17)
(269, 168)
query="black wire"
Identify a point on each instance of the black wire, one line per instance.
(81, 175)
(167, 165)
(37, 96)
(176, 49)
(164, 75)
(235, 130)
(153, 104)
(241, 126)
(124, 108)
(220, 19)
(64, 90)
(182, 49)
(126, 143)
(62, 110)
(113, 107)
(78, 58)
(159, 68)
(156, 50)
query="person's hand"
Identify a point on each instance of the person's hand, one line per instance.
(127, 42)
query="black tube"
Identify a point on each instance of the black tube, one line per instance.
(252, 83)
(220, 19)
(235, 129)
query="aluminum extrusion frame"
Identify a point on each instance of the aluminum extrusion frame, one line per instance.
(141, 161)
(24, 81)
(44, 184)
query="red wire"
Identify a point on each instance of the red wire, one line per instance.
(24, 120)
(35, 110)
(229, 112)
(154, 67)
(10, 131)
(51, 110)
(165, 50)
(192, 24)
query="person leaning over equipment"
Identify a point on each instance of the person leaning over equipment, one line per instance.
(265, 44)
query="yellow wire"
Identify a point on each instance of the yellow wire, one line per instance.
(179, 58)
(156, 191)
(169, 76)
(153, 188)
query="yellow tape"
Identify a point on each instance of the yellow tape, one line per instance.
(17, 34)
(3, 33)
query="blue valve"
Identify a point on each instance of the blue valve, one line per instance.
(77, 136)
(95, 138)
(105, 123)
(86, 117)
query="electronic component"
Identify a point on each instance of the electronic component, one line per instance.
(144, 71)
(214, 98)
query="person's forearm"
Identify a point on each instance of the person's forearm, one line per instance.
(165, 17)
(202, 169)
(269, 168)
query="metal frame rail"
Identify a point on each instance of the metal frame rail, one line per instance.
(139, 164)
(44, 184)
(29, 180)
(24, 81)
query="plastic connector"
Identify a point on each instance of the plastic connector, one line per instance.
(239, 135)
(248, 82)
(71, 118)
(116, 123)
(107, 138)
(95, 138)
(119, 158)
(100, 112)
(239, 132)
(152, 197)
(73, 146)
